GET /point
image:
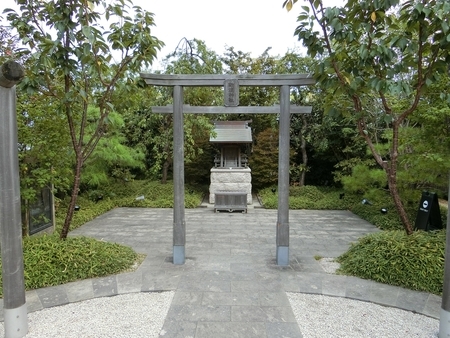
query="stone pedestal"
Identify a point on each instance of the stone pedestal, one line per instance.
(231, 179)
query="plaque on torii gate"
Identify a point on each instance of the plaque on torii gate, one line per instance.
(231, 84)
(231, 92)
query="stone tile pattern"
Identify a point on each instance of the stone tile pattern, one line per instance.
(230, 285)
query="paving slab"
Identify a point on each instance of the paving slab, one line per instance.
(230, 285)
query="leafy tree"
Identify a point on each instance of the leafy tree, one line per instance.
(238, 62)
(301, 131)
(72, 61)
(378, 51)
(8, 44)
(264, 159)
(425, 143)
(112, 158)
(42, 143)
(191, 57)
(44, 146)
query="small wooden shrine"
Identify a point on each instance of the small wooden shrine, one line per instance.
(231, 177)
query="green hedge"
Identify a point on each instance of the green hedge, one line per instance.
(392, 257)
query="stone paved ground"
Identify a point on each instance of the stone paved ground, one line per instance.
(230, 284)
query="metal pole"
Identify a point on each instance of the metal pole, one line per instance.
(444, 323)
(14, 304)
(283, 179)
(179, 225)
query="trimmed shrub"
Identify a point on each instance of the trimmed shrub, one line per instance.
(392, 257)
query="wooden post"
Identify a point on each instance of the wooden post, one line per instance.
(14, 306)
(282, 239)
(444, 322)
(179, 224)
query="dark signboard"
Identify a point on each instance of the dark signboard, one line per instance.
(428, 215)
(40, 212)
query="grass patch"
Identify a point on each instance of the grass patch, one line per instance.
(156, 195)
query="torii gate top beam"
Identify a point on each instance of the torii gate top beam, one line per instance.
(188, 109)
(213, 80)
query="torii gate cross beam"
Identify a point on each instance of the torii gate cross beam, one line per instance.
(231, 85)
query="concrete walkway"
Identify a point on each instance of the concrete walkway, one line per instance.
(230, 284)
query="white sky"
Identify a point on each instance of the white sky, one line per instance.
(247, 25)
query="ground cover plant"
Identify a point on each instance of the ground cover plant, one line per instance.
(307, 197)
(50, 261)
(413, 261)
(380, 212)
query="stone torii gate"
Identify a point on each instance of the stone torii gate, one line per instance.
(231, 85)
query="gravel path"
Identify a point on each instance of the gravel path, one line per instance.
(143, 314)
(124, 316)
(323, 316)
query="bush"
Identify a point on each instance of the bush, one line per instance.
(309, 192)
(124, 194)
(50, 261)
(307, 197)
(392, 257)
(88, 211)
(372, 214)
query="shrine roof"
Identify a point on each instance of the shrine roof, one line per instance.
(231, 132)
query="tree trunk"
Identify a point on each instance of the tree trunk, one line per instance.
(391, 172)
(165, 171)
(73, 198)
(390, 169)
(303, 150)
(393, 189)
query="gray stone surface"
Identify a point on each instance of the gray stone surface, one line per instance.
(230, 179)
(230, 285)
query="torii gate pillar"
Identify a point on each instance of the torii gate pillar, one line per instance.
(179, 222)
(282, 238)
